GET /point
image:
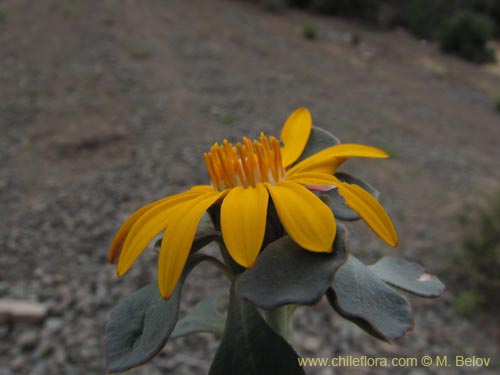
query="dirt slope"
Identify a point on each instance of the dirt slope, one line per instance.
(107, 105)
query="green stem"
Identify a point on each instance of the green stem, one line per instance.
(280, 320)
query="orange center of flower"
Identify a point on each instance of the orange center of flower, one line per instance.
(245, 164)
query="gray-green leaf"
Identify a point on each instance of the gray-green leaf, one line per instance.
(285, 273)
(408, 276)
(204, 318)
(360, 296)
(141, 324)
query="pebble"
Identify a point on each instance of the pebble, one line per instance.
(27, 340)
(18, 311)
(63, 302)
(45, 348)
(417, 371)
(17, 363)
(312, 343)
(53, 325)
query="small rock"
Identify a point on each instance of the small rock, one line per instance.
(44, 349)
(4, 331)
(27, 340)
(53, 325)
(101, 298)
(17, 311)
(4, 288)
(59, 355)
(311, 344)
(41, 368)
(17, 363)
(6, 371)
(417, 371)
(64, 301)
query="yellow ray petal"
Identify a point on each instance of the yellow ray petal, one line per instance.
(147, 227)
(307, 220)
(200, 189)
(118, 241)
(328, 160)
(124, 230)
(370, 210)
(178, 238)
(295, 134)
(243, 222)
(313, 179)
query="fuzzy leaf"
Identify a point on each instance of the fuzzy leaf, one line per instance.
(360, 296)
(337, 203)
(204, 318)
(408, 276)
(141, 324)
(250, 347)
(285, 273)
(319, 139)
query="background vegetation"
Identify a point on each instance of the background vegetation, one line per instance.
(462, 27)
(479, 257)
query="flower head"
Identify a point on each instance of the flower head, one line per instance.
(243, 178)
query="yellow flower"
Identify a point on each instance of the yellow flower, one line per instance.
(243, 177)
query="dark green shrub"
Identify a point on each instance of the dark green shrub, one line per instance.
(489, 8)
(478, 263)
(3, 16)
(299, 3)
(366, 10)
(424, 17)
(466, 34)
(309, 31)
(228, 120)
(497, 103)
(355, 39)
(468, 303)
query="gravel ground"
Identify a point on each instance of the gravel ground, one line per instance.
(108, 105)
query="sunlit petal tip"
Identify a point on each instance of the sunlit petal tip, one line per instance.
(380, 154)
(359, 150)
(329, 159)
(295, 134)
(122, 268)
(394, 241)
(120, 272)
(113, 255)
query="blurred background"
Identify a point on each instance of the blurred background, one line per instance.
(106, 105)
